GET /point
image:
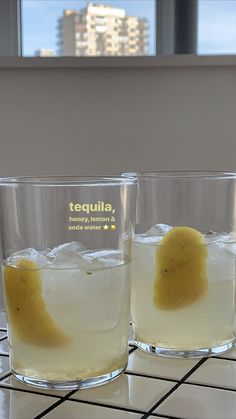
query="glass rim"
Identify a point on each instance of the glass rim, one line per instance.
(182, 174)
(60, 180)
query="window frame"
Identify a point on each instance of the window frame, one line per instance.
(10, 33)
(10, 28)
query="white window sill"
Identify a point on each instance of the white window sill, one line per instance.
(102, 62)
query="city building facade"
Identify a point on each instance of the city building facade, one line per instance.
(102, 30)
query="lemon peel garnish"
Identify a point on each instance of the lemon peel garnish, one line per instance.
(26, 309)
(181, 269)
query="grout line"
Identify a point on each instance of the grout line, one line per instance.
(210, 386)
(54, 405)
(61, 399)
(127, 372)
(224, 358)
(132, 350)
(8, 374)
(10, 387)
(49, 409)
(161, 400)
(2, 354)
(199, 363)
(154, 407)
(125, 409)
(3, 338)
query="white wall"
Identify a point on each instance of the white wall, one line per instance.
(98, 121)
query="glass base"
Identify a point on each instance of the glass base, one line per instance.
(69, 385)
(185, 353)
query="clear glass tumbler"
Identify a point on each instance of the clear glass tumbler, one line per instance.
(66, 277)
(183, 269)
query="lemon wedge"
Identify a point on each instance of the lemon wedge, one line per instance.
(26, 308)
(181, 269)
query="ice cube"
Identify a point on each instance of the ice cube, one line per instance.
(231, 247)
(158, 230)
(74, 256)
(91, 261)
(32, 254)
(221, 262)
(224, 240)
(103, 258)
(214, 237)
(97, 293)
(68, 247)
(66, 255)
(153, 235)
(228, 241)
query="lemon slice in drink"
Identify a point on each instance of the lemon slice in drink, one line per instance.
(181, 269)
(26, 308)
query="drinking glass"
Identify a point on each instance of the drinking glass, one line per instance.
(183, 269)
(66, 277)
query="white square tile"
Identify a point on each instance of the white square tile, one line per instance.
(216, 372)
(4, 348)
(12, 382)
(76, 410)
(156, 366)
(4, 366)
(193, 402)
(138, 393)
(20, 405)
(155, 417)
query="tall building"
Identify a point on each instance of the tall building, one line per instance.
(100, 29)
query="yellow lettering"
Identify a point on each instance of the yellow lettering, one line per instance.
(77, 207)
(108, 207)
(71, 205)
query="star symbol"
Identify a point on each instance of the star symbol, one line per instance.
(106, 227)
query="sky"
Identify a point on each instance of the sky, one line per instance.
(217, 27)
(216, 22)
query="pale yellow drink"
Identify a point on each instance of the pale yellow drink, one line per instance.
(85, 313)
(203, 322)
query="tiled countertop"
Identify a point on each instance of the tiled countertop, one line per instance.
(152, 387)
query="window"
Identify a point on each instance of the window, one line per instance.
(108, 18)
(51, 28)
